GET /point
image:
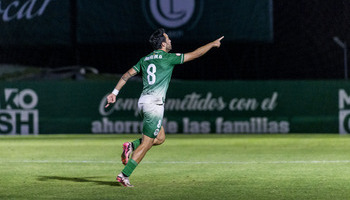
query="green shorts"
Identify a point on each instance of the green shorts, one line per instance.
(152, 115)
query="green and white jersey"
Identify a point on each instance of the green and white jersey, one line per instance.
(157, 68)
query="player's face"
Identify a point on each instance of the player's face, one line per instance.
(167, 42)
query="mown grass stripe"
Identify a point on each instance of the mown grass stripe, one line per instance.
(183, 162)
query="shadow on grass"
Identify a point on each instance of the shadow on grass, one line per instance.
(80, 180)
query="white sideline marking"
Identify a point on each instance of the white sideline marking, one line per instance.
(182, 162)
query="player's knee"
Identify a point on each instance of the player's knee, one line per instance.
(161, 140)
(161, 136)
(147, 142)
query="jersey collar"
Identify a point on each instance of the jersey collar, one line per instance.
(159, 50)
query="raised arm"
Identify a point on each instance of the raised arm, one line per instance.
(111, 98)
(202, 50)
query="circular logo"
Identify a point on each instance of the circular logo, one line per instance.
(172, 14)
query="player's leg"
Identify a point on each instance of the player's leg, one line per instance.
(137, 157)
(153, 117)
(128, 148)
(160, 137)
(146, 144)
(141, 151)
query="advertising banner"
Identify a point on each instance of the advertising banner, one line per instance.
(47, 22)
(185, 20)
(192, 107)
(34, 22)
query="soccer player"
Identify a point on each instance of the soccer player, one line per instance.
(156, 69)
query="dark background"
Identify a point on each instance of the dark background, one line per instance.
(302, 48)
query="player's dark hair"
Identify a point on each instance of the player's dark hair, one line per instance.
(157, 38)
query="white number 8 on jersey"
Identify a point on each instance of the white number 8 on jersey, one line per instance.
(151, 77)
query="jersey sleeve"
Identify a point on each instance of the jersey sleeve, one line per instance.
(137, 67)
(176, 58)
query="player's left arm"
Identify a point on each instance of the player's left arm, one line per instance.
(202, 50)
(111, 98)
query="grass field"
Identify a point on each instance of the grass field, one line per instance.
(184, 167)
